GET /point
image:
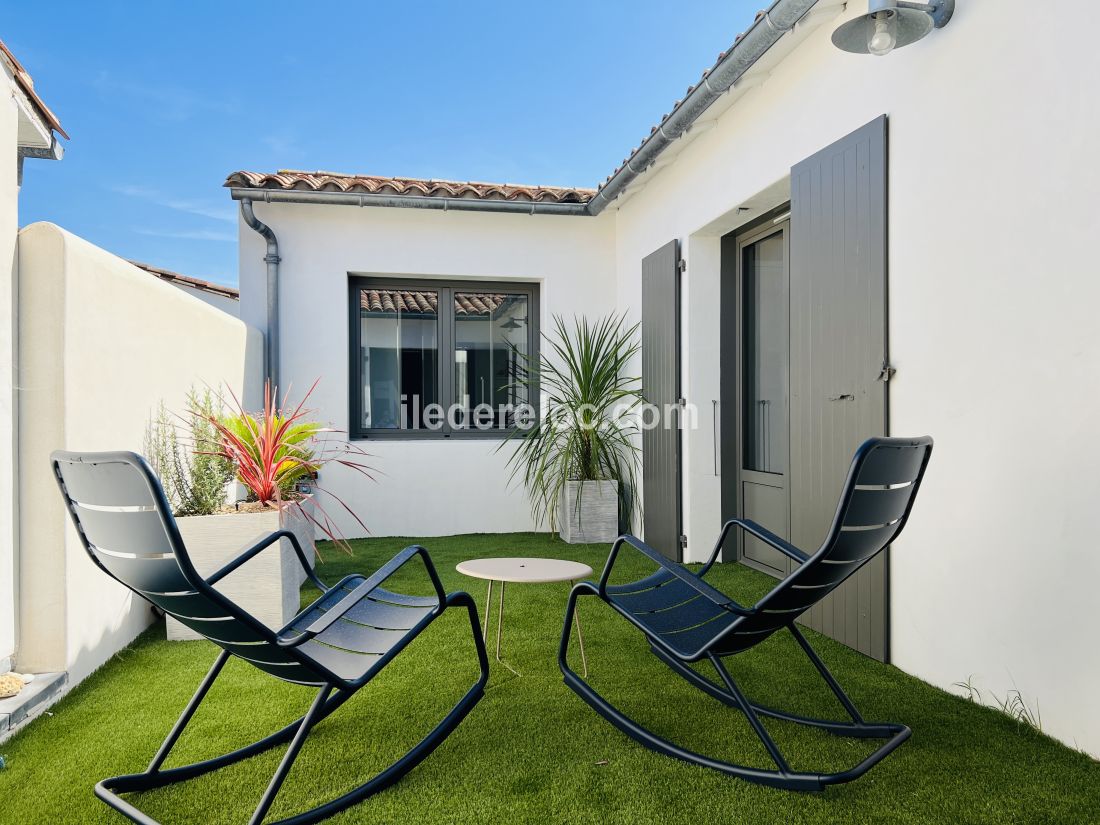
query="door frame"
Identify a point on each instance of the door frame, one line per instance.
(744, 240)
(732, 370)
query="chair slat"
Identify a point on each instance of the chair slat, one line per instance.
(109, 483)
(666, 595)
(359, 638)
(139, 533)
(343, 663)
(756, 628)
(402, 599)
(891, 465)
(228, 630)
(186, 604)
(790, 601)
(297, 673)
(695, 612)
(261, 652)
(689, 640)
(817, 574)
(386, 616)
(161, 575)
(647, 583)
(736, 644)
(860, 545)
(873, 507)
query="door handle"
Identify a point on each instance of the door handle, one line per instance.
(843, 397)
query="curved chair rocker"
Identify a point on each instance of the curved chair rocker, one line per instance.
(686, 620)
(337, 644)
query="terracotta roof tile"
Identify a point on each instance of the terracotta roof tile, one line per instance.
(187, 280)
(427, 303)
(416, 187)
(26, 83)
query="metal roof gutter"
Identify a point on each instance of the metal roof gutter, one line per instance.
(761, 36)
(407, 201)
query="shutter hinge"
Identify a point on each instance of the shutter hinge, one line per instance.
(683, 540)
(681, 402)
(682, 265)
(886, 373)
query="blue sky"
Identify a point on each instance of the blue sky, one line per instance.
(163, 100)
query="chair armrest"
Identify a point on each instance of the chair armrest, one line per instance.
(762, 533)
(329, 617)
(716, 596)
(263, 544)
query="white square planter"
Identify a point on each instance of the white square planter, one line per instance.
(267, 585)
(596, 519)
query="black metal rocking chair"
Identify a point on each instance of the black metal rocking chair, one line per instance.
(686, 620)
(338, 644)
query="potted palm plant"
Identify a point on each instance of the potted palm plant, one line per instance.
(579, 463)
(276, 455)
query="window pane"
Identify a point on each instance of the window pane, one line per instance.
(491, 330)
(765, 390)
(399, 351)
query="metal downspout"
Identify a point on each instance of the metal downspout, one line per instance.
(271, 336)
(761, 36)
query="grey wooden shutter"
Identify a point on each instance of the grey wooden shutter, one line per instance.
(838, 350)
(661, 387)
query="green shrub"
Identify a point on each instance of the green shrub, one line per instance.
(194, 476)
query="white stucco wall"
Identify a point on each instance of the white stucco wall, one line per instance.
(101, 344)
(423, 488)
(994, 290)
(9, 225)
(232, 306)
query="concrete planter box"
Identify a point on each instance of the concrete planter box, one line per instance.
(267, 585)
(596, 519)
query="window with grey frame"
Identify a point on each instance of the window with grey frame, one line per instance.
(440, 359)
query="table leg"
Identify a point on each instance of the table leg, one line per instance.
(580, 636)
(500, 626)
(488, 605)
(500, 618)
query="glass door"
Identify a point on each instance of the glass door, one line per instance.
(763, 432)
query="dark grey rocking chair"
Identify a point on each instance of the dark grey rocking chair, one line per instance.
(685, 620)
(338, 644)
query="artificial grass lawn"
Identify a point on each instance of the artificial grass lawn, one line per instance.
(532, 751)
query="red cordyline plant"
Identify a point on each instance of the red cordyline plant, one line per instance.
(274, 450)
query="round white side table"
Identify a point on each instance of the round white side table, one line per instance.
(524, 571)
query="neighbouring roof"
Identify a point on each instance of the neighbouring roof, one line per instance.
(188, 281)
(291, 179)
(26, 84)
(426, 303)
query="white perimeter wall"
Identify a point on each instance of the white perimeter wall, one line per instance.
(423, 488)
(222, 302)
(9, 225)
(994, 292)
(101, 344)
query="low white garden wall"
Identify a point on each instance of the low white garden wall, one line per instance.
(101, 343)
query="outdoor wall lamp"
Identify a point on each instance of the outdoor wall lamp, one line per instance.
(891, 24)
